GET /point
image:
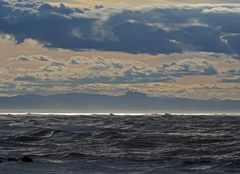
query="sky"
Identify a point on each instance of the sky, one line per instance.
(186, 49)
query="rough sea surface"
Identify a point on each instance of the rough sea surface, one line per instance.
(119, 144)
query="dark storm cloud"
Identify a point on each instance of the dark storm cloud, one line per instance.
(53, 26)
(156, 30)
(173, 30)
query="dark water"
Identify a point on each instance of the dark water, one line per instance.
(120, 144)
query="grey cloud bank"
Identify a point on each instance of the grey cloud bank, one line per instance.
(147, 30)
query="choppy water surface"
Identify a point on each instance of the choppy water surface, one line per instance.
(120, 144)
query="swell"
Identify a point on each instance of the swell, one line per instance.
(176, 141)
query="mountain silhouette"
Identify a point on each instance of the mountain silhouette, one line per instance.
(129, 102)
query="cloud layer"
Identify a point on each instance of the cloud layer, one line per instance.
(200, 75)
(170, 50)
(145, 30)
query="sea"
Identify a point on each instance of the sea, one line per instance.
(95, 143)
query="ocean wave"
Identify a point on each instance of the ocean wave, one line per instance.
(182, 143)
